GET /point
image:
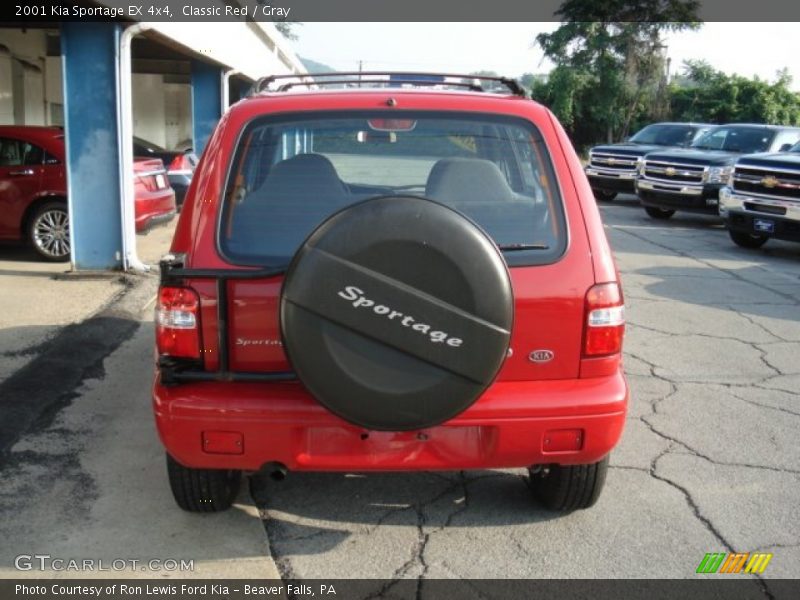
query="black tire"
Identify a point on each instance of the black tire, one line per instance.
(568, 488)
(659, 213)
(604, 195)
(202, 490)
(748, 240)
(48, 232)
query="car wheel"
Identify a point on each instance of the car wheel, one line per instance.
(202, 490)
(570, 487)
(604, 195)
(748, 240)
(48, 232)
(659, 213)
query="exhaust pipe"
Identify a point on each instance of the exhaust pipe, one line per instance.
(260, 481)
(275, 470)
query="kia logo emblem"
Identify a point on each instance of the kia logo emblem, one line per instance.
(541, 356)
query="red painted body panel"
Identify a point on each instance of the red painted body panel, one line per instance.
(505, 428)
(151, 203)
(280, 422)
(603, 261)
(19, 191)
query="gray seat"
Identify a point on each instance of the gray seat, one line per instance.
(459, 181)
(297, 195)
(478, 189)
(303, 178)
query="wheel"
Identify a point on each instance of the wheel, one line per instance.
(202, 490)
(48, 232)
(748, 240)
(396, 313)
(568, 488)
(659, 213)
(604, 195)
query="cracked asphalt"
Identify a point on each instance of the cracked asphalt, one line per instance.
(708, 462)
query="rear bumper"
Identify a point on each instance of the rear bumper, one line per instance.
(155, 207)
(514, 424)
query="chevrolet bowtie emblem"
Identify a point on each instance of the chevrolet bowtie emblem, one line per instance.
(612, 160)
(669, 171)
(769, 181)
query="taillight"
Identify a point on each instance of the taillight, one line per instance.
(177, 322)
(605, 320)
(180, 163)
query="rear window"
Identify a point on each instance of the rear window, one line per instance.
(290, 173)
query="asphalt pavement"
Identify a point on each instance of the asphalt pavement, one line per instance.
(709, 460)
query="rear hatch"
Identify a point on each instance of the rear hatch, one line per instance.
(291, 172)
(150, 174)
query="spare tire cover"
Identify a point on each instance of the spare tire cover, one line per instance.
(396, 313)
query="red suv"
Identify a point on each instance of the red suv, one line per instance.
(33, 190)
(388, 278)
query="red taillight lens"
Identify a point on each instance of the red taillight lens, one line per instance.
(605, 320)
(180, 163)
(178, 322)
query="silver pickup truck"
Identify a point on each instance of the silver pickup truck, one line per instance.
(762, 198)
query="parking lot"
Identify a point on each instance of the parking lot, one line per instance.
(708, 461)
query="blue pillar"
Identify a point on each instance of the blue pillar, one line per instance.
(206, 100)
(89, 60)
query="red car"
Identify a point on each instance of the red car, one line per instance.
(154, 197)
(389, 279)
(33, 190)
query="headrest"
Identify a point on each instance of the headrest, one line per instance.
(465, 180)
(304, 174)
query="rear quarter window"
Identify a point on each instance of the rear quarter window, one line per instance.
(290, 172)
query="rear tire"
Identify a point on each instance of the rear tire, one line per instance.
(570, 487)
(748, 240)
(202, 490)
(659, 213)
(604, 195)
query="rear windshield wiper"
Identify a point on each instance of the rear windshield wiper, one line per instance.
(516, 247)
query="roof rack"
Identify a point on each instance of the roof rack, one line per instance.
(389, 79)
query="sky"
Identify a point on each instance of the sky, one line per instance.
(508, 48)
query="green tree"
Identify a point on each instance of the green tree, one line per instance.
(702, 93)
(534, 82)
(609, 61)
